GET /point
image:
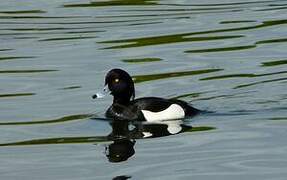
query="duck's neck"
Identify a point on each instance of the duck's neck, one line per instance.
(122, 100)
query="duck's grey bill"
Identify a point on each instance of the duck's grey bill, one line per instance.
(102, 93)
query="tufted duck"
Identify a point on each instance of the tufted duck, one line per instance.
(120, 84)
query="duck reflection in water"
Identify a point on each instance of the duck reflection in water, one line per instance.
(125, 133)
(123, 146)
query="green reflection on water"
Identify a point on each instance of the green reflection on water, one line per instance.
(279, 118)
(201, 128)
(25, 71)
(23, 12)
(114, 3)
(234, 22)
(147, 23)
(268, 24)
(71, 87)
(266, 102)
(260, 82)
(225, 4)
(272, 9)
(147, 41)
(281, 40)
(61, 140)
(229, 76)
(193, 95)
(151, 77)
(68, 38)
(39, 29)
(41, 17)
(47, 31)
(242, 75)
(89, 139)
(16, 95)
(181, 37)
(276, 5)
(208, 9)
(235, 48)
(274, 63)
(82, 32)
(58, 120)
(6, 49)
(141, 60)
(215, 97)
(16, 57)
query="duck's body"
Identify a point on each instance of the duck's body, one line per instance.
(151, 109)
(124, 106)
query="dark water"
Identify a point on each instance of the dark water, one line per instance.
(228, 57)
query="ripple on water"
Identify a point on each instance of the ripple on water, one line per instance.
(70, 51)
(235, 22)
(68, 38)
(6, 49)
(223, 49)
(274, 63)
(23, 12)
(26, 71)
(15, 57)
(58, 120)
(113, 3)
(16, 95)
(152, 77)
(120, 132)
(243, 75)
(279, 119)
(141, 60)
(70, 87)
(260, 82)
(176, 38)
(168, 39)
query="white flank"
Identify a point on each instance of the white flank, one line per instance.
(174, 111)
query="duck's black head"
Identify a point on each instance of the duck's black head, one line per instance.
(121, 86)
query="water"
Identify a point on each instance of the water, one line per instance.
(228, 57)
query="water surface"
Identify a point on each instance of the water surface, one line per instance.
(225, 57)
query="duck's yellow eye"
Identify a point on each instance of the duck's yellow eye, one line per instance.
(117, 80)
